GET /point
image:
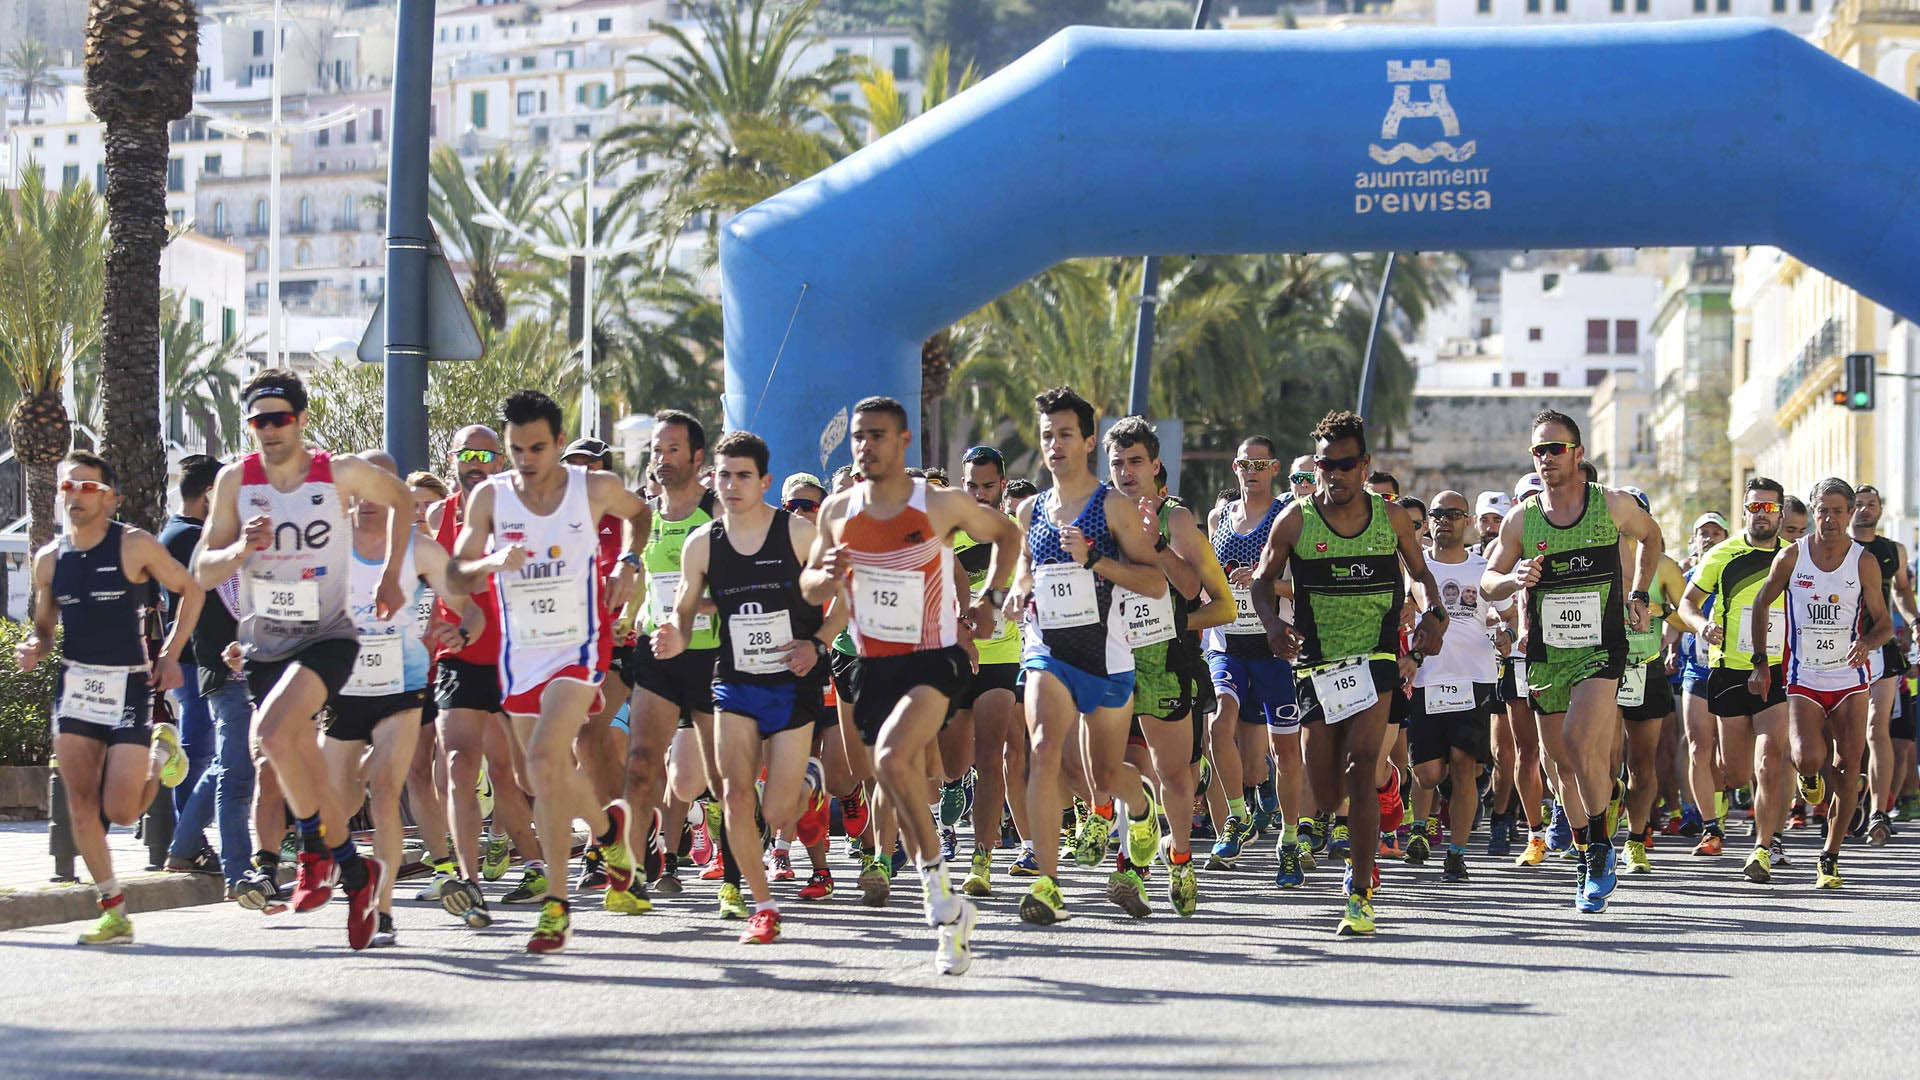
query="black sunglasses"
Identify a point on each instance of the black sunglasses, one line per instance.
(1448, 513)
(1327, 464)
(800, 506)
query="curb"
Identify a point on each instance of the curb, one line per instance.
(146, 891)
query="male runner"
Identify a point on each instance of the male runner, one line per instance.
(1167, 662)
(1896, 587)
(94, 583)
(601, 747)
(534, 533)
(1084, 542)
(472, 729)
(1753, 736)
(1836, 621)
(1565, 548)
(372, 727)
(1346, 548)
(771, 669)
(1646, 703)
(1253, 684)
(669, 694)
(1706, 774)
(883, 548)
(1454, 693)
(292, 551)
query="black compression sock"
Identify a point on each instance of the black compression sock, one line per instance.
(729, 866)
(1597, 830)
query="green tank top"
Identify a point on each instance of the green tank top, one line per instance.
(1346, 589)
(661, 557)
(1579, 603)
(1003, 648)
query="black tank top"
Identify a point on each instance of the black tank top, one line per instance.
(102, 612)
(748, 587)
(1886, 552)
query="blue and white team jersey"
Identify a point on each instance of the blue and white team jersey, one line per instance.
(1072, 616)
(393, 652)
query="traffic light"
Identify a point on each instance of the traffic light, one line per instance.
(1857, 391)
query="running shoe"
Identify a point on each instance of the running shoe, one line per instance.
(1289, 875)
(173, 768)
(875, 881)
(1616, 808)
(1390, 846)
(1710, 844)
(1813, 790)
(1454, 866)
(1183, 888)
(1309, 833)
(780, 866)
(362, 905)
(259, 890)
(980, 875)
(1095, 835)
(953, 954)
(812, 826)
(1391, 806)
(1143, 839)
(533, 886)
(464, 901)
(313, 884)
(1759, 867)
(703, 850)
(1042, 904)
(1357, 918)
(716, 869)
(1585, 899)
(1340, 846)
(629, 901)
(763, 928)
(1128, 893)
(1417, 848)
(1673, 824)
(818, 887)
(383, 934)
(498, 856)
(1534, 853)
(953, 803)
(442, 880)
(1560, 832)
(1828, 875)
(1308, 864)
(1857, 828)
(1880, 829)
(1690, 822)
(1637, 861)
(855, 812)
(732, 905)
(112, 928)
(617, 856)
(593, 870)
(1908, 808)
(555, 927)
(1226, 850)
(1778, 849)
(1027, 865)
(1602, 863)
(1346, 879)
(1259, 820)
(949, 843)
(1499, 837)
(668, 884)
(1322, 834)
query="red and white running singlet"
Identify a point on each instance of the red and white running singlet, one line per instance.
(551, 620)
(902, 584)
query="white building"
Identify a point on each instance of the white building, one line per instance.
(1563, 326)
(1795, 15)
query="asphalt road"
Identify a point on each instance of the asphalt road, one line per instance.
(1692, 972)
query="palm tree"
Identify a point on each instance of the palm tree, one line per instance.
(28, 67)
(141, 61)
(202, 380)
(729, 122)
(51, 266)
(517, 187)
(665, 339)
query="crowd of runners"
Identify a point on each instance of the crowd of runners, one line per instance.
(624, 688)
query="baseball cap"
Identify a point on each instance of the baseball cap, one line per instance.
(591, 447)
(799, 480)
(1710, 516)
(1528, 485)
(1492, 502)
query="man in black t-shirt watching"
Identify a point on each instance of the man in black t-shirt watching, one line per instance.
(214, 708)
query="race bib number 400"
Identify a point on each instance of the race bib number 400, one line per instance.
(889, 605)
(760, 641)
(545, 613)
(97, 695)
(287, 601)
(1570, 620)
(1345, 689)
(378, 668)
(1063, 596)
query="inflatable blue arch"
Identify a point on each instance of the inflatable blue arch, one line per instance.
(1129, 142)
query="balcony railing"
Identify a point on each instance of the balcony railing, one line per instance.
(1825, 344)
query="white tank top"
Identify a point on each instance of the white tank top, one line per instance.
(393, 656)
(294, 593)
(549, 608)
(1823, 620)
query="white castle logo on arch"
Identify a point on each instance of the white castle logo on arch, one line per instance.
(1436, 107)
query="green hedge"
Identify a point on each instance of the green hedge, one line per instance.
(26, 701)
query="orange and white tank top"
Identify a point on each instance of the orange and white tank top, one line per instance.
(902, 584)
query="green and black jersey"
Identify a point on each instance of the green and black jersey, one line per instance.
(665, 543)
(1346, 589)
(1579, 606)
(1733, 573)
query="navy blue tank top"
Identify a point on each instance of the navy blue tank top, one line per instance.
(759, 601)
(102, 612)
(1099, 647)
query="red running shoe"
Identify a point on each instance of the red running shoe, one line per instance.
(762, 929)
(702, 850)
(854, 813)
(1390, 805)
(781, 867)
(812, 827)
(716, 868)
(818, 887)
(313, 884)
(362, 914)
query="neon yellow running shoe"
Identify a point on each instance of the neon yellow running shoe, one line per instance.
(1183, 889)
(1759, 867)
(1143, 839)
(632, 901)
(1357, 920)
(1636, 860)
(1090, 846)
(113, 928)
(1828, 874)
(174, 768)
(496, 858)
(1043, 904)
(1129, 893)
(731, 905)
(980, 877)
(1813, 794)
